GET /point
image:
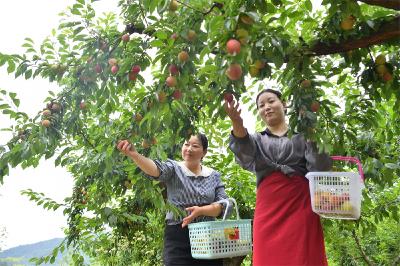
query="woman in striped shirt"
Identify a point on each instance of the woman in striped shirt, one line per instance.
(192, 187)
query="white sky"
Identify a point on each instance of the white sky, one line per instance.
(26, 223)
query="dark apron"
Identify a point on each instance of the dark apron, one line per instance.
(177, 248)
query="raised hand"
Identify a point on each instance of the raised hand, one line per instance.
(232, 109)
(126, 148)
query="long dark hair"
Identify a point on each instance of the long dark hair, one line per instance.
(277, 93)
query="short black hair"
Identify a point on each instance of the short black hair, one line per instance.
(277, 93)
(203, 139)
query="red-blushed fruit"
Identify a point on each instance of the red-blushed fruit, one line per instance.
(46, 123)
(177, 94)
(153, 141)
(132, 76)
(380, 59)
(112, 61)
(173, 6)
(315, 106)
(234, 71)
(183, 56)
(348, 23)
(161, 96)
(125, 38)
(381, 69)
(191, 35)
(114, 69)
(138, 117)
(305, 83)
(98, 68)
(387, 77)
(56, 107)
(46, 112)
(171, 81)
(174, 36)
(246, 19)
(136, 69)
(145, 144)
(173, 70)
(82, 106)
(233, 47)
(228, 97)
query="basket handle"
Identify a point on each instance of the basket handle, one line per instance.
(351, 159)
(227, 201)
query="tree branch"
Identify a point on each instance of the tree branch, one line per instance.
(385, 33)
(364, 256)
(392, 4)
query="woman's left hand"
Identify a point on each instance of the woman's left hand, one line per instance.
(195, 211)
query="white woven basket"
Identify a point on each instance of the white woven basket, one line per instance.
(337, 195)
(221, 239)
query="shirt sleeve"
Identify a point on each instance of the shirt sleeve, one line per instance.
(245, 151)
(167, 170)
(316, 161)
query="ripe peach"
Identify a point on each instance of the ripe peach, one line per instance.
(136, 69)
(233, 47)
(315, 106)
(132, 76)
(171, 81)
(173, 70)
(183, 56)
(234, 71)
(114, 69)
(125, 37)
(177, 94)
(46, 123)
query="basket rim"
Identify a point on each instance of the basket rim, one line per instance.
(230, 221)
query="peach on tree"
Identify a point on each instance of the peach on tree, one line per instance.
(233, 47)
(234, 71)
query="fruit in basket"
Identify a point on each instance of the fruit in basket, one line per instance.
(346, 206)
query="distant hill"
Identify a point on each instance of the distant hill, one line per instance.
(20, 255)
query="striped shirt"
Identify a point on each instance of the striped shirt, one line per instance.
(185, 189)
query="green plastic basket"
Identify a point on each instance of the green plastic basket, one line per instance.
(221, 239)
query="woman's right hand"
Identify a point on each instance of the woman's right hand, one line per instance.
(126, 148)
(233, 111)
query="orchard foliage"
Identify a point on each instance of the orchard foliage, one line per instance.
(164, 74)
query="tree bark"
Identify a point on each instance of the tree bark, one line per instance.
(392, 4)
(364, 256)
(385, 33)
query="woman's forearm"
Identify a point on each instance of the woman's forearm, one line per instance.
(145, 164)
(212, 210)
(239, 130)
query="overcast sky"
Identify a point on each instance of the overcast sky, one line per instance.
(25, 222)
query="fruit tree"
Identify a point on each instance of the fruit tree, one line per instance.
(164, 76)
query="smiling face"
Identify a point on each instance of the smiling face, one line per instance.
(192, 150)
(271, 109)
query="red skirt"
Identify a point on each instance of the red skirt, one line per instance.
(285, 230)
